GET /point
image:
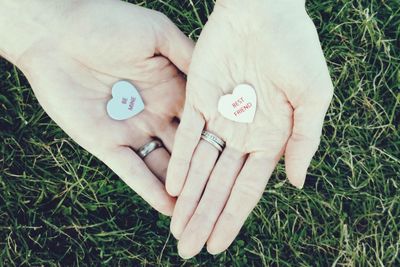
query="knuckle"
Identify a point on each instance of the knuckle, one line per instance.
(186, 198)
(185, 140)
(202, 214)
(185, 130)
(230, 218)
(249, 190)
(165, 209)
(310, 136)
(164, 18)
(230, 155)
(197, 171)
(217, 190)
(178, 161)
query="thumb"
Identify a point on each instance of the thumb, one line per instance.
(308, 120)
(175, 45)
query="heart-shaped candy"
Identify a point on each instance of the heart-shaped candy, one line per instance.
(126, 101)
(240, 106)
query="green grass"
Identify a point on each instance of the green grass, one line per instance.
(61, 206)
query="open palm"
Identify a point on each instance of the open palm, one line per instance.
(275, 49)
(72, 70)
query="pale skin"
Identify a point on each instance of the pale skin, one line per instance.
(274, 47)
(72, 52)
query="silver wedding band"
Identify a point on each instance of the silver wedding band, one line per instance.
(146, 149)
(214, 140)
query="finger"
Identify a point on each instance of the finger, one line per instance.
(179, 97)
(134, 172)
(202, 163)
(308, 120)
(179, 111)
(157, 161)
(167, 135)
(244, 196)
(186, 139)
(211, 204)
(176, 46)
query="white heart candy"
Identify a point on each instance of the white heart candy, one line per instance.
(126, 101)
(240, 106)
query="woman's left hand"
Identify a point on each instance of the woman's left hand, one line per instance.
(290, 76)
(75, 51)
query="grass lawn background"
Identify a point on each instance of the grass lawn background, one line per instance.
(61, 206)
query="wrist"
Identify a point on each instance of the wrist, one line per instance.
(257, 4)
(24, 23)
(254, 14)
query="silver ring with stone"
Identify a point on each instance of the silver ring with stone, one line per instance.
(214, 140)
(146, 149)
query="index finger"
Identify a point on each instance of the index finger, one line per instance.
(186, 140)
(245, 194)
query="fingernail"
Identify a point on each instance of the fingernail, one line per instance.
(298, 183)
(213, 250)
(184, 254)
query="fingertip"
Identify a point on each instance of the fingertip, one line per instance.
(184, 256)
(213, 249)
(297, 182)
(173, 226)
(167, 213)
(176, 175)
(296, 174)
(184, 252)
(172, 188)
(223, 234)
(174, 182)
(176, 232)
(298, 155)
(167, 209)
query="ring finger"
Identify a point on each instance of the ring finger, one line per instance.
(156, 159)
